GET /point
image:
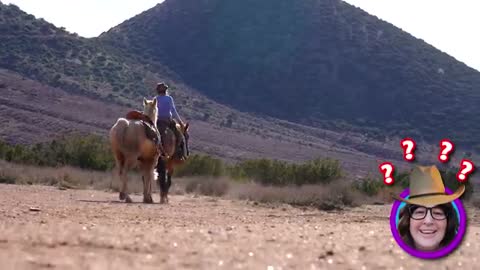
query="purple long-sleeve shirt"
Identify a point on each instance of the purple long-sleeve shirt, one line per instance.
(166, 108)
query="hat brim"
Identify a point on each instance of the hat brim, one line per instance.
(432, 200)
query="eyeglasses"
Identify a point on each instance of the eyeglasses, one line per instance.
(419, 213)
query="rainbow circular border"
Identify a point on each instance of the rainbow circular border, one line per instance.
(394, 214)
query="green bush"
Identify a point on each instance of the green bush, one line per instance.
(281, 173)
(369, 186)
(93, 152)
(317, 171)
(88, 152)
(263, 171)
(201, 165)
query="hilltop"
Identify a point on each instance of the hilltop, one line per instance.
(331, 64)
(54, 83)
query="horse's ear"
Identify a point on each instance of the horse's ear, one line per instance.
(186, 126)
(155, 102)
(144, 101)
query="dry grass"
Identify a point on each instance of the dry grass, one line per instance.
(63, 177)
(335, 195)
(208, 186)
(475, 202)
(324, 197)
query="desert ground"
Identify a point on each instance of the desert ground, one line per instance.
(48, 228)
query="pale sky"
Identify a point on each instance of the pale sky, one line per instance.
(87, 18)
(452, 26)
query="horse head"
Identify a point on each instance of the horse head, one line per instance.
(150, 109)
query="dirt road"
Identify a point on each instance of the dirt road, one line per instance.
(47, 228)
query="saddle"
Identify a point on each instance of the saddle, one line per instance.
(150, 130)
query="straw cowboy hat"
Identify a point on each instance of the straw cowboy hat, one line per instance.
(427, 189)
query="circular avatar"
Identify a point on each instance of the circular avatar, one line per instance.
(428, 220)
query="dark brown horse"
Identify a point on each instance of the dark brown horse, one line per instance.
(165, 166)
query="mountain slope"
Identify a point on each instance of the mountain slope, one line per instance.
(53, 82)
(331, 64)
(41, 52)
(32, 112)
(53, 56)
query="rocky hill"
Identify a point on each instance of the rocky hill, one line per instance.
(54, 82)
(331, 64)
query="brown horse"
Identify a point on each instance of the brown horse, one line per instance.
(165, 166)
(131, 148)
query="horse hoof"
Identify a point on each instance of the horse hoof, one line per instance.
(164, 200)
(128, 199)
(163, 197)
(147, 199)
(122, 196)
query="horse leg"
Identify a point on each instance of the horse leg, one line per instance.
(124, 179)
(162, 181)
(168, 181)
(123, 193)
(147, 176)
(168, 184)
(122, 175)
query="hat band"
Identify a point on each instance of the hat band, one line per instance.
(426, 194)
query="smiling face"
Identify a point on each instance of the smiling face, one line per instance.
(427, 227)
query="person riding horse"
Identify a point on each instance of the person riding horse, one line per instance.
(167, 114)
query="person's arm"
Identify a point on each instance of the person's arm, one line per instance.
(174, 112)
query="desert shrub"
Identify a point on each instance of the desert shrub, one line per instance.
(401, 178)
(201, 165)
(371, 185)
(88, 152)
(281, 173)
(3, 149)
(317, 171)
(7, 178)
(264, 171)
